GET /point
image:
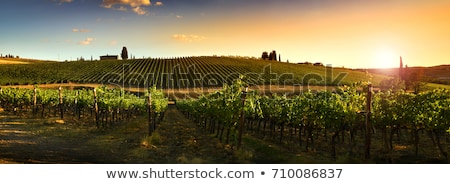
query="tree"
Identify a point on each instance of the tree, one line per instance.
(273, 55)
(124, 53)
(265, 55)
(394, 84)
(415, 81)
(401, 73)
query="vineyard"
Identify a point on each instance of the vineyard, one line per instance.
(347, 121)
(340, 123)
(178, 73)
(100, 107)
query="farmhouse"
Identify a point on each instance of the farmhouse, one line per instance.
(109, 57)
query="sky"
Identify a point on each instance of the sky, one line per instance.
(344, 33)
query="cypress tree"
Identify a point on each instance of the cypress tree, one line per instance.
(124, 53)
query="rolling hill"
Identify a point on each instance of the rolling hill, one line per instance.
(182, 72)
(435, 74)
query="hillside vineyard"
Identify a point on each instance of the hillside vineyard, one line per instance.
(182, 72)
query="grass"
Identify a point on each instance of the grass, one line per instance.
(256, 151)
(434, 86)
(49, 141)
(151, 140)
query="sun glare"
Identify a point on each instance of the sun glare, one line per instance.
(385, 58)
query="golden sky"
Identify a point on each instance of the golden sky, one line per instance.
(349, 33)
(356, 36)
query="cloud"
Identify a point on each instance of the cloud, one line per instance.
(159, 3)
(139, 10)
(62, 1)
(113, 42)
(136, 6)
(121, 8)
(187, 38)
(179, 17)
(88, 41)
(76, 30)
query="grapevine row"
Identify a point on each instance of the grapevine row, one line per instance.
(106, 106)
(182, 72)
(337, 118)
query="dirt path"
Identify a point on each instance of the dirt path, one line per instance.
(183, 142)
(28, 140)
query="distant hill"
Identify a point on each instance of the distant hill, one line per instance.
(9, 61)
(4, 61)
(434, 74)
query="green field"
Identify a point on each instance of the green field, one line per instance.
(432, 85)
(183, 72)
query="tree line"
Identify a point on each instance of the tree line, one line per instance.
(8, 56)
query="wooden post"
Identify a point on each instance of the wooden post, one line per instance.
(149, 109)
(61, 108)
(75, 107)
(96, 108)
(241, 122)
(368, 123)
(35, 100)
(446, 149)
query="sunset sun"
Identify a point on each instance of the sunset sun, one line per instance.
(385, 58)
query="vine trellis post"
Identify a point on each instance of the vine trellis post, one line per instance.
(368, 123)
(35, 108)
(151, 127)
(96, 109)
(241, 122)
(61, 106)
